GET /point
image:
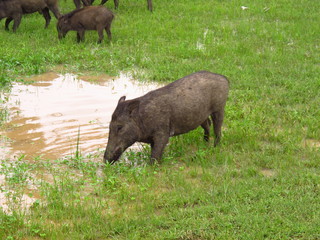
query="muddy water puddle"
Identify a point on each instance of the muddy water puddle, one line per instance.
(49, 116)
(56, 115)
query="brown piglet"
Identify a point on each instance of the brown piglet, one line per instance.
(97, 18)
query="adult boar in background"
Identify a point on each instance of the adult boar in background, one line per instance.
(116, 3)
(14, 9)
(174, 109)
(97, 18)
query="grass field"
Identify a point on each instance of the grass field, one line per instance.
(261, 182)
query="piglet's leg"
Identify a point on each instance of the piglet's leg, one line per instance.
(108, 31)
(80, 36)
(16, 23)
(100, 33)
(157, 147)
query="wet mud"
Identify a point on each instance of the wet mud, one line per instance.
(55, 116)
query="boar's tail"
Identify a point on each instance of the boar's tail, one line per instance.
(112, 16)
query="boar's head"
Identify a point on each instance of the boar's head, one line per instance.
(124, 129)
(63, 26)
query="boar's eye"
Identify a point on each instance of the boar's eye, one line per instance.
(119, 127)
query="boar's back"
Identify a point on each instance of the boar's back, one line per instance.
(186, 103)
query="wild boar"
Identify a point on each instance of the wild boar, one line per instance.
(88, 18)
(14, 9)
(174, 109)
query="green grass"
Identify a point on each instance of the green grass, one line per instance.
(262, 182)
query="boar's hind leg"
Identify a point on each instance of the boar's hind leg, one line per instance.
(217, 118)
(46, 15)
(8, 21)
(55, 10)
(157, 147)
(206, 127)
(108, 31)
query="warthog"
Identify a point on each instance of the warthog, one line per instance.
(116, 3)
(88, 18)
(174, 109)
(14, 9)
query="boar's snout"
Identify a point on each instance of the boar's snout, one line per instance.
(112, 157)
(61, 34)
(61, 28)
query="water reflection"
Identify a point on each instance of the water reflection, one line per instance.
(47, 116)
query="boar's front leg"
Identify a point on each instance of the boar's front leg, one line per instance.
(100, 33)
(46, 15)
(86, 3)
(217, 118)
(116, 4)
(80, 35)
(150, 5)
(55, 10)
(77, 3)
(206, 127)
(103, 2)
(157, 146)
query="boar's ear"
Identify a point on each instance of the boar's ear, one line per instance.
(133, 105)
(122, 99)
(66, 21)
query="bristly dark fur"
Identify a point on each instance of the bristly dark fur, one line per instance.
(97, 18)
(174, 109)
(13, 10)
(70, 14)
